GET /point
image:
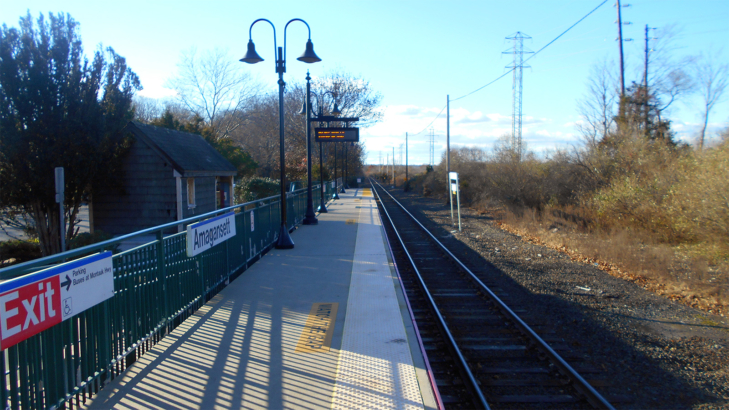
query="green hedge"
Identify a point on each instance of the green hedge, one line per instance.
(17, 251)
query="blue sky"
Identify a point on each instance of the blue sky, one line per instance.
(415, 53)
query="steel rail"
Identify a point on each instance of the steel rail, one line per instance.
(579, 383)
(473, 383)
(429, 369)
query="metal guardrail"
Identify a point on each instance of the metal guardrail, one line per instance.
(156, 287)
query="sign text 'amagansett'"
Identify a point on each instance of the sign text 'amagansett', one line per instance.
(206, 234)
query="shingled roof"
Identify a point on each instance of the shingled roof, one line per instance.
(189, 154)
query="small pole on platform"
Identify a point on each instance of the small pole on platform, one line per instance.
(60, 194)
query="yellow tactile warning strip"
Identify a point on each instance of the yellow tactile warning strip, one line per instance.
(366, 192)
(351, 222)
(375, 365)
(319, 329)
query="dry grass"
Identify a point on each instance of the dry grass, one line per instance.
(677, 197)
(644, 210)
(667, 270)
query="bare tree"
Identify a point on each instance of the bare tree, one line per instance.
(597, 106)
(214, 86)
(146, 109)
(354, 95)
(258, 129)
(712, 78)
(258, 133)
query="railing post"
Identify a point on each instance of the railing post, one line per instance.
(3, 388)
(202, 278)
(227, 257)
(106, 345)
(162, 277)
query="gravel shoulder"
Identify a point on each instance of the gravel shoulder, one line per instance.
(659, 353)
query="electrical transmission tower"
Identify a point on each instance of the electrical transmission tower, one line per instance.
(432, 147)
(518, 65)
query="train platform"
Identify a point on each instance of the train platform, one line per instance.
(323, 325)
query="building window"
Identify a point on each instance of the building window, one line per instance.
(190, 192)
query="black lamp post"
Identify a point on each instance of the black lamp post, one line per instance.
(251, 57)
(322, 204)
(346, 164)
(336, 183)
(310, 218)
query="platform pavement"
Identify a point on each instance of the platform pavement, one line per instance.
(244, 348)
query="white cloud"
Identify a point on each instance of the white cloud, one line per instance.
(474, 118)
(157, 92)
(531, 120)
(573, 124)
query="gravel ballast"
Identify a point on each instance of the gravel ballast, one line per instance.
(657, 353)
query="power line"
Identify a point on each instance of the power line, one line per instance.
(535, 53)
(565, 32)
(481, 88)
(431, 123)
(508, 72)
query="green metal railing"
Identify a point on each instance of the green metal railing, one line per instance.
(156, 287)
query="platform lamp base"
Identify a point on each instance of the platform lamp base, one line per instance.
(284, 239)
(310, 220)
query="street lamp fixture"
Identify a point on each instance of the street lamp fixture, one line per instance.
(252, 57)
(335, 111)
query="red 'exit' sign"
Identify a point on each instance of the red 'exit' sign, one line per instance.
(33, 303)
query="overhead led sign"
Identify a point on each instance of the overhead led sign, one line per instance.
(336, 134)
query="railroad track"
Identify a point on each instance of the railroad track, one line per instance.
(481, 353)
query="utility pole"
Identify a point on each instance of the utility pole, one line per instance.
(645, 69)
(647, 54)
(620, 45)
(646, 105)
(518, 66)
(432, 147)
(448, 148)
(400, 154)
(448, 135)
(406, 157)
(393, 166)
